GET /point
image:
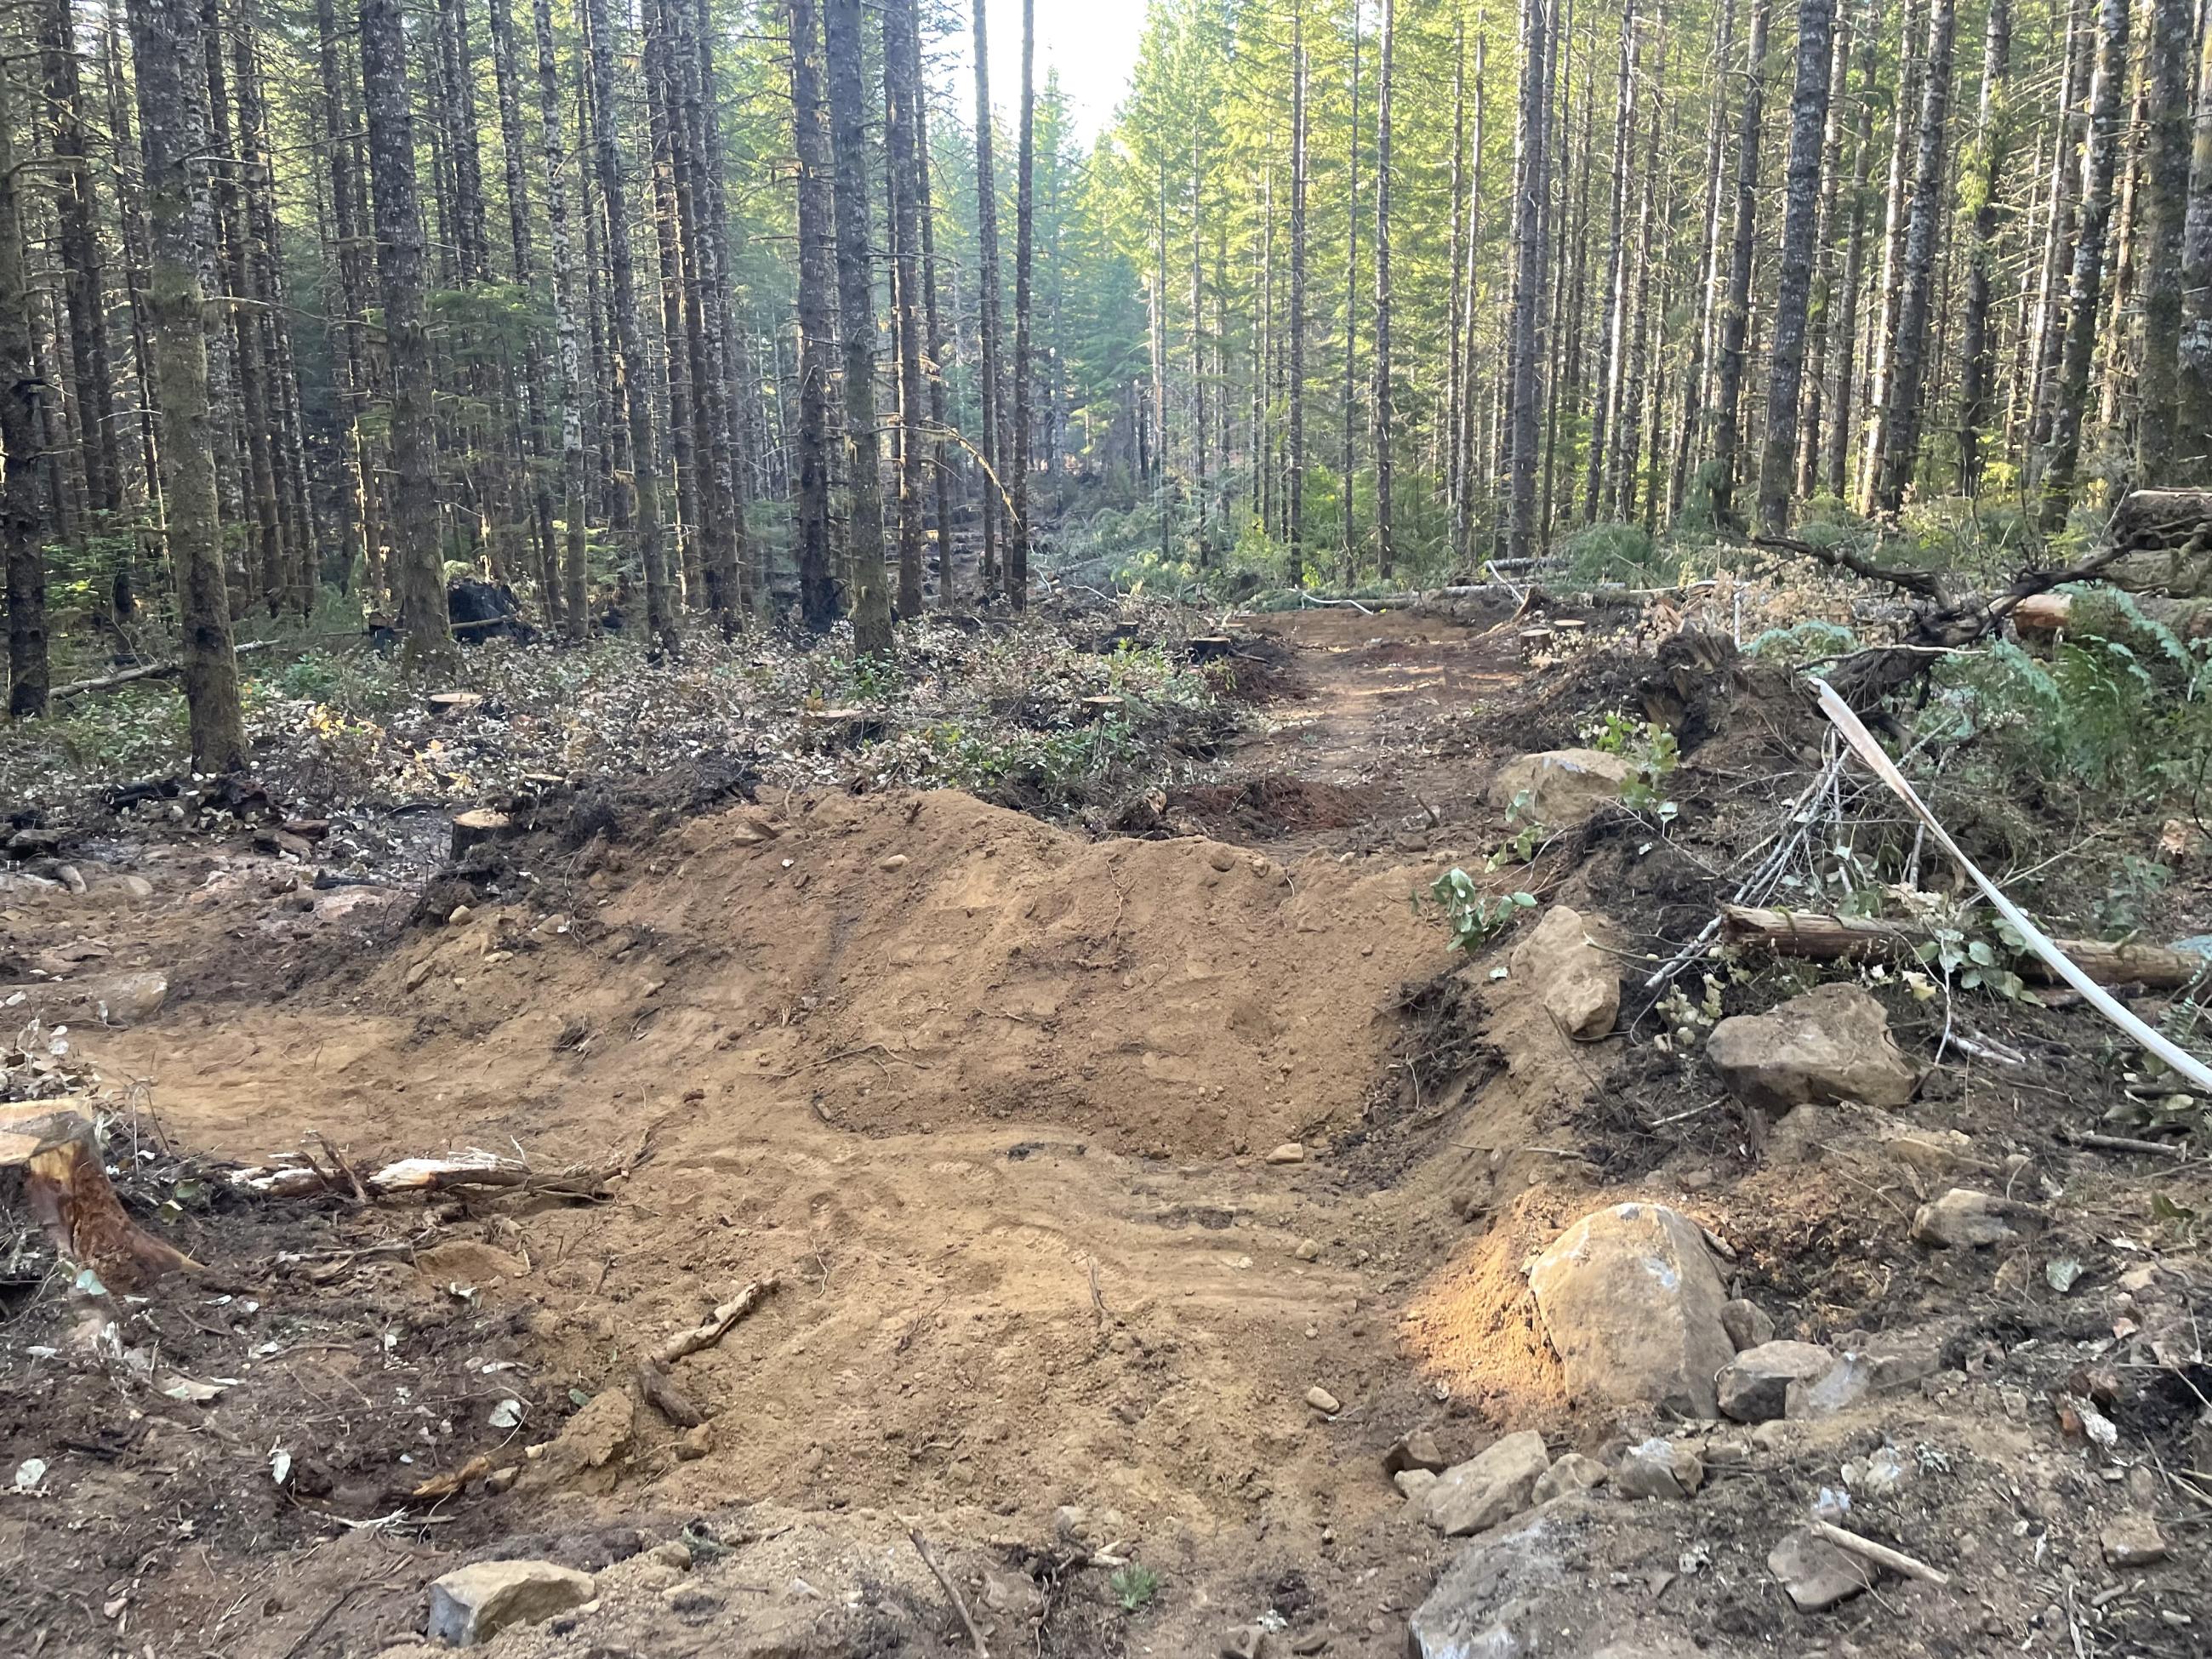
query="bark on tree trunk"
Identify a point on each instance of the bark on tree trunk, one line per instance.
(2161, 440)
(2085, 290)
(632, 389)
(1808, 121)
(29, 676)
(901, 105)
(418, 580)
(1524, 342)
(1294, 482)
(990, 338)
(166, 51)
(2194, 394)
(817, 592)
(1985, 169)
(568, 333)
(1736, 307)
(1384, 415)
(1899, 442)
(871, 602)
(1020, 533)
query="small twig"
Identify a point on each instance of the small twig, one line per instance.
(959, 1606)
(2098, 1143)
(1882, 1555)
(718, 1325)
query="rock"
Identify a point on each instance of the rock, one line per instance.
(416, 974)
(136, 887)
(1747, 1324)
(2134, 1540)
(589, 1452)
(1413, 1484)
(1308, 1249)
(1830, 1045)
(1573, 1472)
(695, 1442)
(1014, 1593)
(1632, 1305)
(1963, 1219)
(674, 1553)
(500, 1480)
(1848, 1382)
(1754, 1386)
(1563, 787)
(1493, 1486)
(1659, 1469)
(1324, 1401)
(1290, 1151)
(128, 998)
(1815, 1573)
(1245, 1642)
(1576, 982)
(474, 1604)
(1416, 1450)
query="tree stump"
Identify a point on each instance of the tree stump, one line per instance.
(476, 826)
(451, 705)
(65, 1185)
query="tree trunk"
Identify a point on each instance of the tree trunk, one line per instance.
(1019, 531)
(939, 420)
(1628, 429)
(1614, 304)
(1899, 439)
(1524, 341)
(1992, 138)
(166, 50)
(539, 365)
(29, 675)
(1694, 421)
(1844, 335)
(1384, 416)
(1294, 482)
(817, 593)
(2161, 440)
(574, 377)
(78, 247)
(856, 315)
(1736, 307)
(632, 391)
(902, 104)
(989, 337)
(418, 579)
(2194, 392)
(1897, 200)
(2100, 159)
(1352, 308)
(1809, 122)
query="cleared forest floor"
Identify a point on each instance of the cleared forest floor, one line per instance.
(1003, 1109)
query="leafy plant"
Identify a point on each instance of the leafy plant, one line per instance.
(1475, 916)
(1522, 846)
(1134, 1586)
(1653, 753)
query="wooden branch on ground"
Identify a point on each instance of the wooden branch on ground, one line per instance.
(1882, 1555)
(157, 670)
(717, 1324)
(430, 1174)
(1823, 938)
(959, 1605)
(66, 1186)
(659, 1390)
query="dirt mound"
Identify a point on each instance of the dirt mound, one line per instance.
(1182, 998)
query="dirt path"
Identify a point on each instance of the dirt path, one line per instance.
(1365, 749)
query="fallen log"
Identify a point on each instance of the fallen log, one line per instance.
(66, 1189)
(717, 1324)
(156, 671)
(1823, 938)
(428, 1174)
(2051, 613)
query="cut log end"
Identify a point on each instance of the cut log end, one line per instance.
(67, 1190)
(481, 825)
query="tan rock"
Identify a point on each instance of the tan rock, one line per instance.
(1493, 1486)
(476, 1603)
(1830, 1045)
(1563, 787)
(1631, 1303)
(1577, 983)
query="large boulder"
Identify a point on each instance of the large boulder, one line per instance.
(475, 1603)
(1631, 1303)
(1830, 1045)
(1577, 983)
(1563, 787)
(1493, 1486)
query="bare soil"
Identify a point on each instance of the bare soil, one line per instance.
(995, 1103)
